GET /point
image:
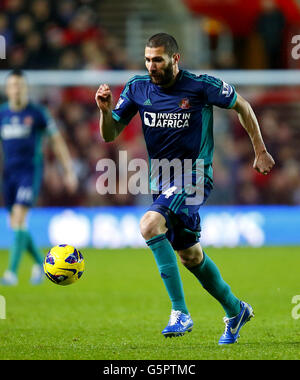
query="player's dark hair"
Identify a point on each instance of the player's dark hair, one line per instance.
(16, 72)
(165, 40)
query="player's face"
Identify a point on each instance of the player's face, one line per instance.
(161, 67)
(16, 90)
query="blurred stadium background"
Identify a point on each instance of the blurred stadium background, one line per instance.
(69, 47)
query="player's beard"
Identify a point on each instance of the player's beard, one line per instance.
(19, 102)
(163, 78)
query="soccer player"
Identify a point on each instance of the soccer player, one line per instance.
(176, 109)
(23, 125)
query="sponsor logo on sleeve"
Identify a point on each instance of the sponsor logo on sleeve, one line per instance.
(226, 89)
(118, 105)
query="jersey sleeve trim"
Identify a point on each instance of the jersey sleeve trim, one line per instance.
(119, 119)
(52, 130)
(232, 103)
(50, 125)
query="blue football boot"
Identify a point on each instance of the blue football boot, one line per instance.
(9, 279)
(37, 274)
(234, 324)
(178, 324)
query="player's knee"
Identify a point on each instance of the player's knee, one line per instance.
(190, 259)
(189, 262)
(152, 224)
(16, 222)
(18, 216)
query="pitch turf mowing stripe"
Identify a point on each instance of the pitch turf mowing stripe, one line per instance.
(132, 283)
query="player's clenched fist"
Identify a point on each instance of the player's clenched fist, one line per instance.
(264, 163)
(103, 98)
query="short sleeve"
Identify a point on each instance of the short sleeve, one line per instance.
(125, 108)
(217, 92)
(48, 122)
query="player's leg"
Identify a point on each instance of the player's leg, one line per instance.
(19, 193)
(28, 188)
(9, 192)
(17, 222)
(24, 241)
(37, 272)
(153, 229)
(208, 274)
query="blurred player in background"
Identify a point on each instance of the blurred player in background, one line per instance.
(176, 109)
(23, 125)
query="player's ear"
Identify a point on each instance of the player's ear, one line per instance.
(175, 58)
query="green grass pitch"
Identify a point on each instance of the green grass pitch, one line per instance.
(119, 307)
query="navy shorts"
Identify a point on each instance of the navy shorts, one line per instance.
(182, 218)
(20, 187)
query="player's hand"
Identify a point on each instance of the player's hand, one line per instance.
(103, 98)
(71, 182)
(263, 162)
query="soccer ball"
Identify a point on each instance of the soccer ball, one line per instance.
(63, 264)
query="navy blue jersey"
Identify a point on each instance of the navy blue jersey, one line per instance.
(21, 135)
(177, 121)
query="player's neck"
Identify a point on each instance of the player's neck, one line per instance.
(18, 106)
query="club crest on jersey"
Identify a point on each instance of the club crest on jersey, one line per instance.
(184, 104)
(28, 120)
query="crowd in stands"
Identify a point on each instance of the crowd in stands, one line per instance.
(66, 35)
(62, 35)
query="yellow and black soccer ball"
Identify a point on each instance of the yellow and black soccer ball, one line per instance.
(64, 264)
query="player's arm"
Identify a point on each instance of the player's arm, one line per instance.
(109, 127)
(61, 152)
(263, 162)
(1, 156)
